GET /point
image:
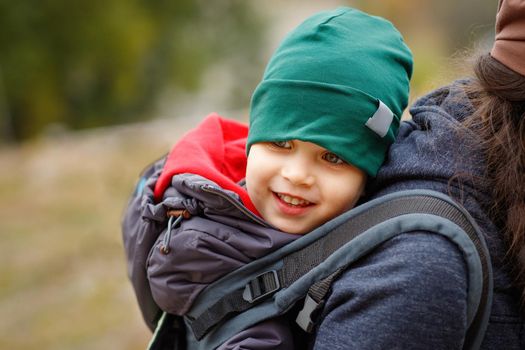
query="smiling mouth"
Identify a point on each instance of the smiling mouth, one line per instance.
(293, 201)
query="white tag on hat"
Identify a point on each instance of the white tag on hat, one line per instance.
(381, 120)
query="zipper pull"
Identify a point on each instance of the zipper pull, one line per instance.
(179, 215)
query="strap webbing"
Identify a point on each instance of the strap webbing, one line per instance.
(320, 289)
(314, 301)
(300, 262)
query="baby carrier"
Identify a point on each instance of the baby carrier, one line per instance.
(303, 271)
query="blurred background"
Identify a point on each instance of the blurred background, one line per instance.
(92, 91)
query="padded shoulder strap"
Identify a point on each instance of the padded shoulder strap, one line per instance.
(398, 209)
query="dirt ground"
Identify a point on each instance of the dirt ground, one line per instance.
(63, 282)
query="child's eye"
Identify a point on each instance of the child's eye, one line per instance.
(282, 144)
(332, 158)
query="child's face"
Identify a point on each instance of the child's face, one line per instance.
(297, 186)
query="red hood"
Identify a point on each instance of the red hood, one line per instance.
(216, 150)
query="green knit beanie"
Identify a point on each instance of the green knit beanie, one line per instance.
(339, 80)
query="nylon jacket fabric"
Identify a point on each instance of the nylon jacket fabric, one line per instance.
(221, 235)
(218, 239)
(215, 149)
(411, 292)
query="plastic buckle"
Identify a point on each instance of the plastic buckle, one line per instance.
(304, 317)
(261, 286)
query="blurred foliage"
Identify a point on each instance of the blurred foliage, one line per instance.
(90, 63)
(93, 63)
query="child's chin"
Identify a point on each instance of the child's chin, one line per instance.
(293, 229)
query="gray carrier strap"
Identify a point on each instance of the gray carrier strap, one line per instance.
(298, 263)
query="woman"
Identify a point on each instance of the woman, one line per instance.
(466, 140)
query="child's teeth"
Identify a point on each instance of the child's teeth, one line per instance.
(292, 200)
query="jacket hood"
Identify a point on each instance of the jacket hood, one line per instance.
(434, 146)
(215, 150)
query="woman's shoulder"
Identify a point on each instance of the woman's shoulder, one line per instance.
(412, 289)
(420, 261)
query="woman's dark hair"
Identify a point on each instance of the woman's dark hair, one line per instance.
(498, 95)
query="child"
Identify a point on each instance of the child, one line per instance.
(321, 122)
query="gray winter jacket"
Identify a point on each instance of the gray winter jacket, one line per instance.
(410, 293)
(220, 236)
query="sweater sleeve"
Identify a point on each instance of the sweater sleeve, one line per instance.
(408, 294)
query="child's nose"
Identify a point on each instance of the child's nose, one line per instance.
(298, 173)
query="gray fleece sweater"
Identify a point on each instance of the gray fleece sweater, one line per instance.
(411, 292)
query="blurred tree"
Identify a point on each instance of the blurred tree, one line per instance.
(91, 63)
